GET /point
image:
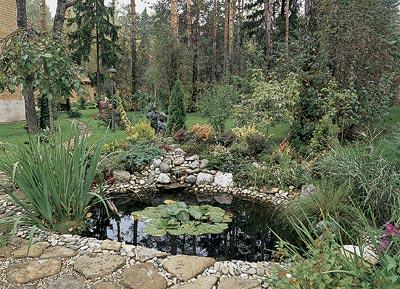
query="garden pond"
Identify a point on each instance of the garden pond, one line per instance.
(249, 236)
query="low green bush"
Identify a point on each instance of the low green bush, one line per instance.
(140, 154)
(56, 178)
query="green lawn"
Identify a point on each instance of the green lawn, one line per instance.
(15, 132)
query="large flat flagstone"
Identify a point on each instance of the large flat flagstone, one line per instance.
(33, 251)
(33, 270)
(203, 282)
(67, 282)
(57, 252)
(187, 267)
(238, 283)
(143, 276)
(99, 266)
(105, 285)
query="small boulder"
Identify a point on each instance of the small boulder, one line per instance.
(165, 168)
(157, 163)
(224, 199)
(111, 245)
(194, 165)
(179, 160)
(204, 179)
(179, 152)
(223, 180)
(366, 253)
(143, 254)
(203, 164)
(191, 179)
(121, 176)
(163, 179)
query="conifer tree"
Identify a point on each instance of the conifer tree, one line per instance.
(93, 21)
(176, 112)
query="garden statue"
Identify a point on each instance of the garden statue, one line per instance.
(157, 119)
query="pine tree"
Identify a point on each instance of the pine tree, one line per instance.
(176, 112)
(93, 23)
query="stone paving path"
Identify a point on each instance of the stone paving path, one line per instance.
(112, 266)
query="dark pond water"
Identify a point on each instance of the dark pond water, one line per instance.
(248, 237)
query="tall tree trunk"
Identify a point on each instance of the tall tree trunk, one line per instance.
(174, 21)
(22, 21)
(113, 9)
(226, 37)
(214, 42)
(232, 12)
(238, 44)
(311, 13)
(287, 6)
(268, 11)
(188, 22)
(59, 17)
(174, 34)
(195, 45)
(43, 26)
(29, 97)
(134, 75)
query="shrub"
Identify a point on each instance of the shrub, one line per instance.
(141, 130)
(241, 133)
(105, 111)
(216, 105)
(180, 136)
(324, 135)
(202, 132)
(256, 144)
(74, 113)
(176, 112)
(270, 102)
(56, 178)
(140, 154)
(115, 145)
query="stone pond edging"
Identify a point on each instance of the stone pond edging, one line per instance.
(68, 261)
(175, 170)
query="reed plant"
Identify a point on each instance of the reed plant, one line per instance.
(55, 180)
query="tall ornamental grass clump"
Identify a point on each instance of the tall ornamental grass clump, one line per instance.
(56, 179)
(372, 178)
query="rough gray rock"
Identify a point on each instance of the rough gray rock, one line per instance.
(191, 179)
(121, 176)
(143, 254)
(163, 179)
(223, 180)
(165, 168)
(204, 179)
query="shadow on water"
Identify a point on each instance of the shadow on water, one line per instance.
(248, 237)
